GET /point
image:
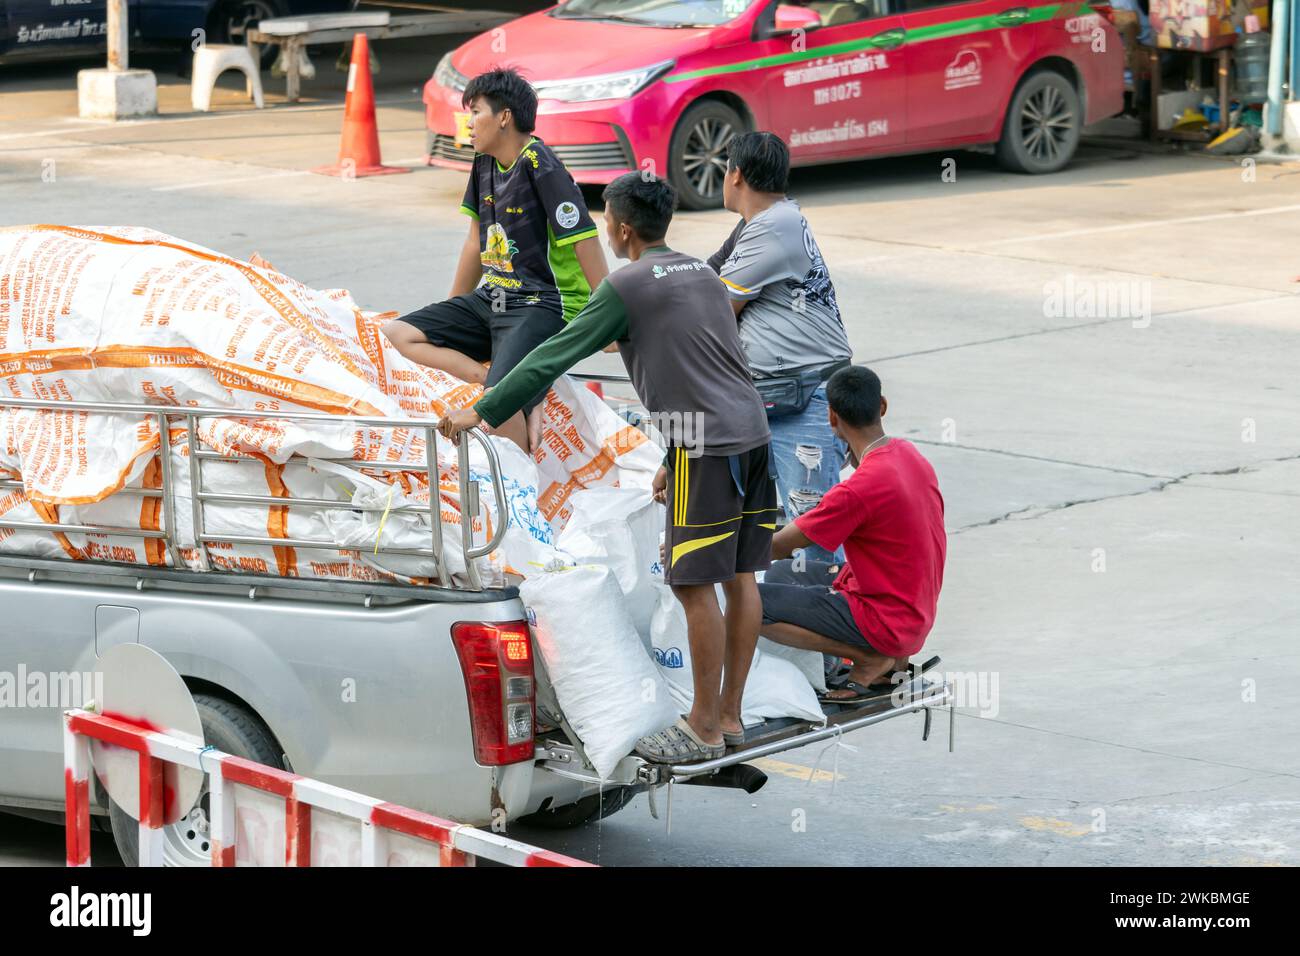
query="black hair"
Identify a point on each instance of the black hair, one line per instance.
(763, 159)
(645, 203)
(504, 89)
(854, 395)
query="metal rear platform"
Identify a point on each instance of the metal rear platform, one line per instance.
(557, 753)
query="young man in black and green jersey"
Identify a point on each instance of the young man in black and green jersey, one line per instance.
(677, 334)
(529, 262)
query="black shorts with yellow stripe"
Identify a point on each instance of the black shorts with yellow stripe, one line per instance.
(721, 515)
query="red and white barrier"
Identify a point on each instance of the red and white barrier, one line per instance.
(382, 833)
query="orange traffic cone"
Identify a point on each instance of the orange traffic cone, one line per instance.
(359, 148)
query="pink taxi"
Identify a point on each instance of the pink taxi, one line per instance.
(664, 84)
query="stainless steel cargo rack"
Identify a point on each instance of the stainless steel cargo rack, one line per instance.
(190, 417)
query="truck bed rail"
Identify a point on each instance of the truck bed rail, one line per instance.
(189, 418)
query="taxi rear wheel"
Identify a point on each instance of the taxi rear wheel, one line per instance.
(697, 155)
(1042, 127)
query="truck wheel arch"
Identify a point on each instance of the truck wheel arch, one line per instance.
(198, 685)
(258, 668)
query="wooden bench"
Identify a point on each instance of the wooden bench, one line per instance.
(295, 33)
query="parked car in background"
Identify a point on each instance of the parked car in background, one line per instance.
(54, 29)
(665, 84)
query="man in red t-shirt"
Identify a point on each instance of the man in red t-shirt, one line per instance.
(889, 518)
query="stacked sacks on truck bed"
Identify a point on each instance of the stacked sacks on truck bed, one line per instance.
(129, 315)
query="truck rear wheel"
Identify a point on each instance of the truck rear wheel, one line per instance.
(231, 729)
(587, 810)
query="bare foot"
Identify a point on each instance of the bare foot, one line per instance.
(705, 737)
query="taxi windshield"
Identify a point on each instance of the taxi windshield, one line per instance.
(656, 13)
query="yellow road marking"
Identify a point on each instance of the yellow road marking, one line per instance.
(794, 770)
(1060, 827)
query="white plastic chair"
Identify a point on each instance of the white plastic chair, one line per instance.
(213, 59)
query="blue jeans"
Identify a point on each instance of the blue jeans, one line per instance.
(808, 460)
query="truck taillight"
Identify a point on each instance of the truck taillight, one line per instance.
(497, 661)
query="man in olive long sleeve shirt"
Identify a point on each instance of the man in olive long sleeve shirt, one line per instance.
(677, 335)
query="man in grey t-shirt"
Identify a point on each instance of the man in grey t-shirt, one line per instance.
(790, 323)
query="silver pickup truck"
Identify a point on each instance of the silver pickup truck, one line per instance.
(426, 696)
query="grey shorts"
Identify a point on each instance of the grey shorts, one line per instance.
(805, 599)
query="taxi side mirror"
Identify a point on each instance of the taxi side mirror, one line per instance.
(790, 17)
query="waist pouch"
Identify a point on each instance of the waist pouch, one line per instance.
(790, 394)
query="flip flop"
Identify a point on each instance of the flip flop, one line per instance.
(677, 744)
(860, 693)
